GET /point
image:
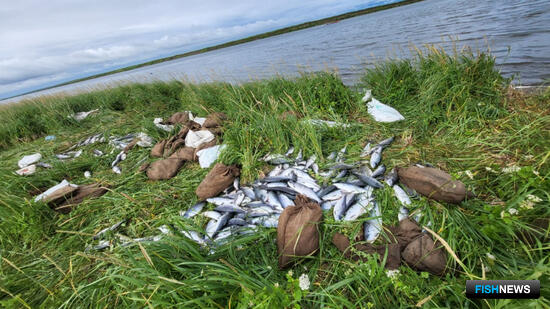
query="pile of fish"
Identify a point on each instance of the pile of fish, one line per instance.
(345, 189)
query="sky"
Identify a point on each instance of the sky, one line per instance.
(44, 43)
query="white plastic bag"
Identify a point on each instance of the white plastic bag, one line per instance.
(382, 112)
(51, 190)
(195, 138)
(28, 160)
(165, 127)
(27, 170)
(208, 156)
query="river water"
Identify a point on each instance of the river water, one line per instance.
(517, 33)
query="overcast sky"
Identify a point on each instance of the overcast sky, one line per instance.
(48, 42)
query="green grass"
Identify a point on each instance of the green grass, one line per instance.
(460, 116)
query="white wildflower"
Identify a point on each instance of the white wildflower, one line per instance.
(276, 284)
(269, 267)
(529, 157)
(304, 282)
(469, 174)
(490, 256)
(490, 169)
(536, 173)
(392, 273)
(486, 268)
(533, 198)
(526, 204)
(511, 169)
(513, 211)
(290, 273)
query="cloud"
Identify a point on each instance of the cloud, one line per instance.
(44, 42)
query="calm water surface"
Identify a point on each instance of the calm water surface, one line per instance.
(517, 32)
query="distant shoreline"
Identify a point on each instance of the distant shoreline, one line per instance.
(309, 24)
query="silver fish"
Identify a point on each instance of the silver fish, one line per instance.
(194, 236)
(260, 211)
(164, 229)
(269, 222)
(300, 188)
(236, 184)
(347, 188)
(341, 166)
(214, 215)
(261, 193)
(229, 208)
(276, 171)
(117, 170)
(236, 221)
(286, 166)
(278, 178)
(340, 207)
(341, 175)
(327, 205)
(385, 143)
(285, 200)
(241, 198)
(218, 224)
(194, 210)
(257, 204)
(276, 159)
(325, 191)
(273, 185)
(380, 170)
(248, 192)
(311, 160)
(373, 226)
(290, 151)
(403, 213)
(360, 207)
(120, 157)
(105, 230)
(315, 168)
(401, 195)
(391, 178)
(272, 199)
(299, 157)
(375, 157)
(366, 151)
(102, 245)
(333, 196)
(220, 201)
(341, 153)
(370, 181)
(331, 156)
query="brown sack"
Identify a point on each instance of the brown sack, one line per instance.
(214, 120)
(86, 191)
(297, 230)
(164, 169)
(216, 131)
(219, 178)
(178, 118)
(425, 255)
(158, 149)
(433, 183)
(184, 153)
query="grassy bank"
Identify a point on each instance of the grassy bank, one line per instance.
(460, 116)
(260, 36)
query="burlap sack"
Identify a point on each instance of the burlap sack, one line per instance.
(87, 191)
(216, 131)
(130, 146)
(218, 179)
(158, 149)
(297, 230)
(164, 169)
(394, 240)
(433, 183)
(214, 120)
(425, 255)
(184, 153)
(178, 118)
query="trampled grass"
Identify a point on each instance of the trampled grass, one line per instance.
(460, 116)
